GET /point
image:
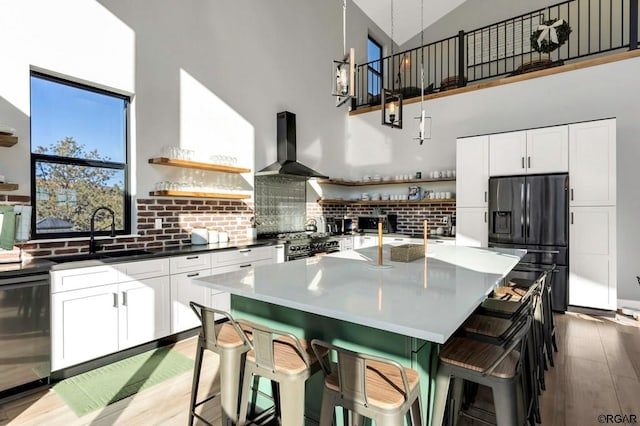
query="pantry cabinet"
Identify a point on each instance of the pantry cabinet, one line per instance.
(592, 163)
(472, 188)
(592, 254)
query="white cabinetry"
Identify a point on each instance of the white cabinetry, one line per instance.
(144, 313)
(99, 310)
(536, 151)
(472, 227)
(362, 241)
(592, 254)
(346, 243)
(472, 164)
(183, 291)
(592, 163)
(592, 207)
(84, 325)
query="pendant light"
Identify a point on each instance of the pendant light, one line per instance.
(343, 71)
(424, 125)
(391, 101)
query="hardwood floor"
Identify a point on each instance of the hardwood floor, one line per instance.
(597, 371)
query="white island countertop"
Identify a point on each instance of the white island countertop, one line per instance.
(426, 300)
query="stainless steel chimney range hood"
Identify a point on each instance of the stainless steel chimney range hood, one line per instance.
(286, 140)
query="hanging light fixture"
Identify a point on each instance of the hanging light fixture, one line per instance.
(424, 125)
(343, 71)
(391, 104)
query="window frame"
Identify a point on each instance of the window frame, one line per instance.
(377, 73)
(55, 159)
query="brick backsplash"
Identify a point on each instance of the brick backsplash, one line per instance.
(179, 217)
(410, 216)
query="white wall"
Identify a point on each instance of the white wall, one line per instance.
(204, 75)
(592, 93)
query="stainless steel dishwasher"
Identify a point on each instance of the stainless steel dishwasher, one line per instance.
(25, 335)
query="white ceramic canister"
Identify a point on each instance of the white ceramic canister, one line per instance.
(213, 236)
(223, 237)
(199, 236)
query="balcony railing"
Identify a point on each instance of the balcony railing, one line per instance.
(501, 49)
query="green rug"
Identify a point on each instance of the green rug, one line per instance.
(98, 388)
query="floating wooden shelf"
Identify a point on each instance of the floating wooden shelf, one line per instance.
(428, 201)
(8, 186)
(190, 194)
(8, 140)
(163, 161)
(381, 182)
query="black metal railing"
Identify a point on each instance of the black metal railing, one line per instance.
(503, 48)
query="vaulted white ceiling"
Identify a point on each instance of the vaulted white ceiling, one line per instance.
(406, 15)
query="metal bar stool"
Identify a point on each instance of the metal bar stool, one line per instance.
(549, 330)
(230, 343)
(282, 358)
(511, 308)
(369, 386)
(499, 331)
(496, 366)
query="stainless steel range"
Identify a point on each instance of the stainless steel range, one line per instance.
(300, 245)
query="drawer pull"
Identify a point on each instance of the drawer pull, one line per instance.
(197, 274)
(245, 250)
(124, 298)
(115, 300)
(245, 265)
(192, 257)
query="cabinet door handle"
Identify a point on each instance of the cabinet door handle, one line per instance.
(124, 298)
(115, 300)
(571, 194)
(196, 274)
(398, 239)
(278, 247)
(485, 196)
(529, 162)
(522, 162)
(246, 265)
(192, 257)
(572, 218)
(245, 250)
(485, 217)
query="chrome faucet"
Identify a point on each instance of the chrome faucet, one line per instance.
(92, 241)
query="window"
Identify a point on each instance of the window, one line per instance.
(78, 158)
(374, 67)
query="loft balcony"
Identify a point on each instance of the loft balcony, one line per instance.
(505, 49)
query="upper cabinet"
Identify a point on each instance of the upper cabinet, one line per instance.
(472, 165)
(534, 151)
(592, 163)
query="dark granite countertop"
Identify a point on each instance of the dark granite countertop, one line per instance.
(79, 260)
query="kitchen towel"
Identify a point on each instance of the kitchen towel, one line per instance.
(7, 227)
(23, 225)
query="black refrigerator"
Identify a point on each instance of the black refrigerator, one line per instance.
(532, 212)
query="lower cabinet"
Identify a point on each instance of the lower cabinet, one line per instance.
(93, 322)
(84, 325)
(472, 228)
(144, 313)
(592, 257)
(183, 291)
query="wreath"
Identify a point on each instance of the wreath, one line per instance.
(550, 35)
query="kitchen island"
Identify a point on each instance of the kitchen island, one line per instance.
(400, 310)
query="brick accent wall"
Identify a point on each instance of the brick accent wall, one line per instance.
(410, 216)
(179, 217)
